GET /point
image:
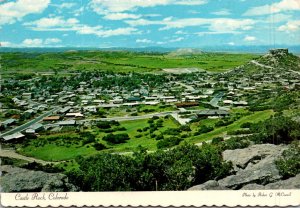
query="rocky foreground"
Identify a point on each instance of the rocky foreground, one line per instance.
(254, 168)
(15, 179)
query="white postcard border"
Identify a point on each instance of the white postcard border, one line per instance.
(278, 198)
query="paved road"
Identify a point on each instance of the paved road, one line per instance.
(187, 86)
(13, 154)
(132, 118)
(29, 123)
(216, 99)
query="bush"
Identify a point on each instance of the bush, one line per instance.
(168, 142)
(116, 138)
(223, 123)
(172, 131)
(246, 125)
(99, 146)
(289, 163)
(239, 131)
(217, 140)
(275, 130)
(103, 124)
(235, 143)
(204, 129)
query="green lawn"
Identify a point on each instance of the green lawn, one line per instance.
(51, 151)
(145, 140)
(221, 131)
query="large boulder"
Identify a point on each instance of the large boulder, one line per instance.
(22, 180)
(263, 172)
(254, 168)
(241, 158)
(291, 183)
(209, 185)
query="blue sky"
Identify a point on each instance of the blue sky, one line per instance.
(145, 23)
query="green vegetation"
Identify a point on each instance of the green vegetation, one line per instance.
(177, 169)
(118, 61)
(289, 163)
(221, 131)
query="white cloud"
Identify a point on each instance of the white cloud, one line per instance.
(72, 24)
(231, 43)
(249, 38)
(52, 22)
(290, 26)
(37, 42)
(32, 42)
(112, 6)
(282, 6)
(13, 11)
(79, 11)
(223, 12)
(190, 2)
(52, 41)
(143, 41)
(275, 18)
(6, 44)
(220, 25)
(66, 5)
(120, 16)
(176, 40)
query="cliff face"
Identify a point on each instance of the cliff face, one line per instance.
(15, 179)
(254, 168)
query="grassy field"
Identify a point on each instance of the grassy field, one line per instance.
(44, 148)
(221, 131)
(61, 151)
(120, 61)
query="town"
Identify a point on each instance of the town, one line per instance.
(58, 118)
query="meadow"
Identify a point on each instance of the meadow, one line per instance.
(118, 61)
(140, 132)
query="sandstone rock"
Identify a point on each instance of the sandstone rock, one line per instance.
(291, 183)
(209, 185)
(240, 158)
(263, 172)
(23, 180)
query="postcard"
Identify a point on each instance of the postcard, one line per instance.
(149, 103)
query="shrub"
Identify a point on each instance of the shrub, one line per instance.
(99, 146)
(217, 140)
(289, 163)
(204, 129)
(168, 142)
(116, 138)
(246, 125)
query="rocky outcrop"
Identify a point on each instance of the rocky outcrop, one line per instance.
(291, 183)
(263, 172)
(209, 185)
(254, 169)
(241, 158)
(15, 179)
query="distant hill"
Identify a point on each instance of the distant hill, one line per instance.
(276, 60)
(185, 52)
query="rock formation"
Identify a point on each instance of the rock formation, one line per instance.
(15, 179)
(254, 169)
